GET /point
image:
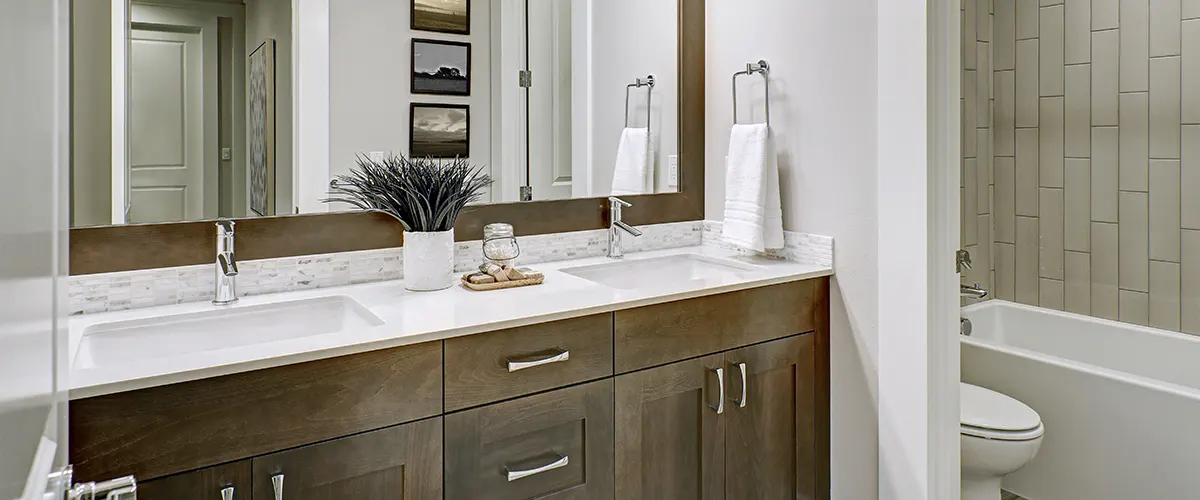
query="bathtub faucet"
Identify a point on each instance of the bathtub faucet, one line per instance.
(973, 292)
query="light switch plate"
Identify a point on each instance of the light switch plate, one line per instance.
(377, 156)
(226, 154)
(673, 171)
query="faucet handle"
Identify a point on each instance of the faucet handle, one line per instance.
(617, 202)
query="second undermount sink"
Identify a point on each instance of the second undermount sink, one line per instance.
(182, 334)
(644, 273)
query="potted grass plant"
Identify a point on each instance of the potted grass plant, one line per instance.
(426, 196)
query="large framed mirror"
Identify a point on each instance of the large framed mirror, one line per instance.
(186, 111)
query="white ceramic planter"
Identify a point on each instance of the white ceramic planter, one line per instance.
(428, 261)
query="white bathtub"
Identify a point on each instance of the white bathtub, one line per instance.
(1120, 403)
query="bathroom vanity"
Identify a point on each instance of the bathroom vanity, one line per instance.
(716, 388)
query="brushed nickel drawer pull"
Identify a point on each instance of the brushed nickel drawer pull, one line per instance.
(741, 402)
(227, 493)
(514, 366)
(720, 406)
(514, 475)
(277, 485)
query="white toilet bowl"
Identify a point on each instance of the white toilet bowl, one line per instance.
(999, 436)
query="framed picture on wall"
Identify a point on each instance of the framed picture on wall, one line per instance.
(261, 128)
(441, 67)
(440, 131)
(442, 16)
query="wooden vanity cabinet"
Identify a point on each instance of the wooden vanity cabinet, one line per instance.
(404, 461)
(223, 482)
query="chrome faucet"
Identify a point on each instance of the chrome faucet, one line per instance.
(616, 225)
(226, 267)
(973, 292)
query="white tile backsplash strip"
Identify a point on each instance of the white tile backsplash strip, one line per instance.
(156, 287)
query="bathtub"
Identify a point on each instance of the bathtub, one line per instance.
(1120, 403)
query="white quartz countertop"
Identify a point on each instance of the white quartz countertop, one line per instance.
(412, 317)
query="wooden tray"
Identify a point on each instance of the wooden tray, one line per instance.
(499, 285)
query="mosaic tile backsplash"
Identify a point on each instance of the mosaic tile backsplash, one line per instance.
(156, 287)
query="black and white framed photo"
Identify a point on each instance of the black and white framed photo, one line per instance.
(440, 131)
(442, 16)
(440, 67)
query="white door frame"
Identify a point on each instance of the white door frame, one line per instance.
(918, 136)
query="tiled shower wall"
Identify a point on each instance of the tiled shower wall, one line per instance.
(1096, 168)
(977, 139)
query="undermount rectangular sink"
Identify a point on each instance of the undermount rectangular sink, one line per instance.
(644, 273)
(182, 334)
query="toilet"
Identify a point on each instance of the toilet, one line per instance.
(999, 435)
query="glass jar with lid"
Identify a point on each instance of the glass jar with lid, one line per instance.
(500, 244)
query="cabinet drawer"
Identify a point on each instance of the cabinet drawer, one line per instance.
(165, 430)
(665, 333)
(499, 365)
(205, 484)
(557, 445)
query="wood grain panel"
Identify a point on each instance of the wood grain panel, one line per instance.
(663, 333)
(669, 443)
(164, 430)
(477, 365)
(204, 484)
(402, 462)
(771, 442)
(576, 423)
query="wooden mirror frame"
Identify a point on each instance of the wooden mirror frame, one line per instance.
(103, 249)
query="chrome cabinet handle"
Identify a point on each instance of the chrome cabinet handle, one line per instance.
(514, 366)
(514, 475)
(277, 484)
(741, 402)
(720, 406)
(227, 493)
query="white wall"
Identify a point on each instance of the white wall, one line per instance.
(370, 64)
(91, 113)
(273, 19)
(823, 58)
(633, 39)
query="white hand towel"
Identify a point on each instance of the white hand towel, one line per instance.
(753, 216)
(632, 173)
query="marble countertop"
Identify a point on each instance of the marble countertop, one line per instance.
(413, 317)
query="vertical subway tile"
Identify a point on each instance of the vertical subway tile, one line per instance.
(1164, 295)
(1134, 144)
(1190, 72)
(1027, 260)
(1135, 242)
(1006, 271)
(1105, 14)
(1078, 283)
(1135, 307)
(1189, 282)
(1105, 77)
(983, 174)
(1077, 111)
(1104, 174)
(969, 34)
(1164, 107)
(983, 21)
(1135, 45)
(1077, 205)
(1050, 294)
(1164, 27)
(1004, 35)
(970, 235)
(1006, 208)
(1004, 121)
(970, 113)
(1164, 210)
(1189, 172)
(1050, 142)
(1050, 55)
(1050, 225)
(1105, 269)
(983, 257)
(1027, 83)
(1027, 19)
(1027, 172)
(983, 86)
(1078, 32)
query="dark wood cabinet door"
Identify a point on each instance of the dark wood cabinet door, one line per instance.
(557, 445)
(223, 482)
(670, 441)
(771, 433)
(396, 463)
